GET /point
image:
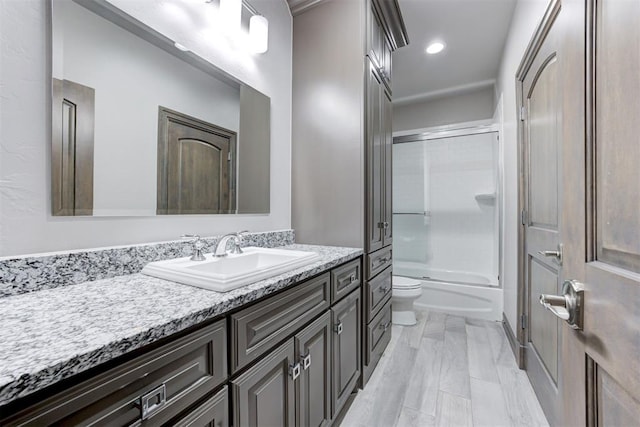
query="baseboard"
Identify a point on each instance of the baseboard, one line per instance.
(516, 348)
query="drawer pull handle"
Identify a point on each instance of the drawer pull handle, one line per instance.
(153, 401)
(383, 290)
(294, 371)
(339, 328)
(306, 361)
(382, 261)
(352, 278)
(386, 326)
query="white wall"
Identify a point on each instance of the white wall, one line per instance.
(26, 225)
(465, 107)
(526, 17)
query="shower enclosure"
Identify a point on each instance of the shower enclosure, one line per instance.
(446, 202)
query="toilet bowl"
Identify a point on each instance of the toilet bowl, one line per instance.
(404, 292)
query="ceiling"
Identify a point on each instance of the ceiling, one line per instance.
(474, 32)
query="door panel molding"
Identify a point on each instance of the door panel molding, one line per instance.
(170, 201)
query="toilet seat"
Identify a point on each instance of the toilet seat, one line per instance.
(405, 283)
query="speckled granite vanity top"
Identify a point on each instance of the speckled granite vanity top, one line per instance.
(52, 334)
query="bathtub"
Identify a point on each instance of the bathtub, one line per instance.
(459, 293)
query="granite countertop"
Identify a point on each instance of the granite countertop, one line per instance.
(52, 334)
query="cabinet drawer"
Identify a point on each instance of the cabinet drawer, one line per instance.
(378, 291)
(256, 329)
(166, 380)
(213, 412)
(378, 336)
(378, 261)
(345, 279)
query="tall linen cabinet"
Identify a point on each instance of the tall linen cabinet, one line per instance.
(341, 145)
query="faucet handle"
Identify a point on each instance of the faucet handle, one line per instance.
(198, 245)
(237, 249)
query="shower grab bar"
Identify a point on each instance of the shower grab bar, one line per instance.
(424, 213)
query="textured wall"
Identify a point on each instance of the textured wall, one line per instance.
(26, 225)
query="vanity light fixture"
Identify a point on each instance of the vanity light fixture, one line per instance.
(231, 15)
(258, 34)
(435, 47)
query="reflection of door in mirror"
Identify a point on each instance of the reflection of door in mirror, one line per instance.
(196, 166)
(73, 118)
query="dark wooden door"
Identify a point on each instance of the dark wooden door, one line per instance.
(196, 166)
(264, 396)
(72, 147)
(313, 348)
(542, 143)
(346, 348)
(602, 182)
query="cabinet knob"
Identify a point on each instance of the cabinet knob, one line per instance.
(352, 278)
(338, 328)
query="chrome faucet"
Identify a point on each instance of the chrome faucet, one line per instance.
(198, 245)
(221, 247)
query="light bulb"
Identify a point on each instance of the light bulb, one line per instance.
(259, 34)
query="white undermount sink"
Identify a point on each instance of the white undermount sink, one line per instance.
(233, 271)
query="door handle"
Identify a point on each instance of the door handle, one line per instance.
(569, 305)
(557, 254)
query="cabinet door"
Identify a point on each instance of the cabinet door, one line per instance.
(387, 168)
(346, 348)
(374, 156)
(313, 348)
(265, 394)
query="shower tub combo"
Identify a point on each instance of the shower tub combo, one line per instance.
(446, 201)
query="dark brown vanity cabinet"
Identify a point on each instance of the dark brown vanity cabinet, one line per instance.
(294, 359)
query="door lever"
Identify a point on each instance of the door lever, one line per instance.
(567, 306)
(557, 254)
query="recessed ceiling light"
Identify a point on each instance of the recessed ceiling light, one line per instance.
(435, 47)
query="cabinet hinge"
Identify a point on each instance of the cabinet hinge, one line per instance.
(523, 113)
(523, 217)
(523, 321)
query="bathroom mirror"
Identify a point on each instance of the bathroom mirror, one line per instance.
(141, 127)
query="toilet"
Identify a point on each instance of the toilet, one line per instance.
(404, 292)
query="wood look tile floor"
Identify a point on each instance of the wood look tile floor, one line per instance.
(447, 371)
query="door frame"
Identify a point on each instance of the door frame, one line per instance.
(539, 36)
